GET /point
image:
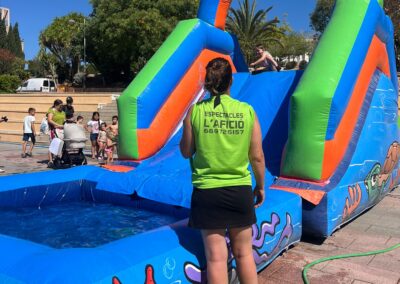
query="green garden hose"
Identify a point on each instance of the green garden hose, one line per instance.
(308, 266)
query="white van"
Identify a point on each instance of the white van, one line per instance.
(38, 85)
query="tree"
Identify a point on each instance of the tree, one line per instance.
(392, 8)
(36, 68)
(252, 28)
(9, 83)
(3, 34)
(321, 15)
(11, 40)
(122, 35)
(292, 44)
(6, 61)
(11, 65)
(11, 44)
(50, 63)
(64, 39)
(17, 42)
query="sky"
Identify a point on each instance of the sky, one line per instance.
(35, 15)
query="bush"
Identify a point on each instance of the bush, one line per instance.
(290, 65)
(9, 83)
(303, 64)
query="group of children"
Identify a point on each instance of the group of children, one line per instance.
(103, 138)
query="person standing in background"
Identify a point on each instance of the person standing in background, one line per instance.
(29, 133)
(3, 119)
(55, 118)
(68, 107)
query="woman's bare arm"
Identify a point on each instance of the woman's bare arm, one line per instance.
(261, 59)
(257, 161)
(270, 58)
(187, 142)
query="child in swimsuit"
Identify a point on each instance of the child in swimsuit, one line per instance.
(102, 140)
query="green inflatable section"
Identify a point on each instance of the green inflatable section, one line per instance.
(316, 89)
(127, 103)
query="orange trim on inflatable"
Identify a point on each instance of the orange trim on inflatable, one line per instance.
(335, 149)
(312, 196)
(222, 13)
(152, 139)
(118, 168)
(318, 183)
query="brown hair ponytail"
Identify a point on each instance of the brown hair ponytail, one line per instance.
(218, 78)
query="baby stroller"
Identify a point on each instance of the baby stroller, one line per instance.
(68, 151)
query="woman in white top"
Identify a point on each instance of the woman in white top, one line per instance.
(266, 62)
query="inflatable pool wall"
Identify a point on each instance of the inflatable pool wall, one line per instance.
(342, 153)
(169, 254)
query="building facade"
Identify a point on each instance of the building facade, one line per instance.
(5, 14)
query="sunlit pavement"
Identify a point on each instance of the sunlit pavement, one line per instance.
(12, 162)
(376, 229)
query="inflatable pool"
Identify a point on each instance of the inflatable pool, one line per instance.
(163, 253)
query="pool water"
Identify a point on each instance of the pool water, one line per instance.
(79, 224)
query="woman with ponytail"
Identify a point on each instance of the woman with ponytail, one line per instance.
(221, 136)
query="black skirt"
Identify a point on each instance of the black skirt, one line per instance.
(222, 208)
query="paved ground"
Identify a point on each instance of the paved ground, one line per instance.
(12, 163)
(376, 229)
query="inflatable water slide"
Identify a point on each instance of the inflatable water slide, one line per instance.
(330, 137)
(342, 151)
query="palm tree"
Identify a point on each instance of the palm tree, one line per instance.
(252, 28)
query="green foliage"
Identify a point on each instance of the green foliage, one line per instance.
(11, 40)
(252, 27)
(64, 39)
(392, 8)
(50, 63)
(322, 15)
(9, 83)
(36, 68)
(292, 44)
(18, 68)
(6, 61)
(3, 34)
(290, 65)
(120, 45)
(17, 42)
(12, 65)
(10, 44)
